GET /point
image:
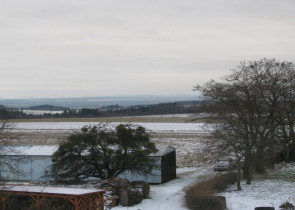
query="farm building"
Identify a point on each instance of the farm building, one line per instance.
(31, 163)
(165, 171)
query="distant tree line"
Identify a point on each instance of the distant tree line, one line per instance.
(106, 111)
(6, 113)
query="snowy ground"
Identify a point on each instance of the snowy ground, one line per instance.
(169, 196)
(271, 190)
(187, 139)
(262, 192)
(268, 193)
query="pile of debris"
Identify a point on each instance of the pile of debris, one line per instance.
(123, 192)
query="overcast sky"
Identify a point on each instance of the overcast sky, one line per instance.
(76, 48)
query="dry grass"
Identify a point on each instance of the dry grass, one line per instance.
(189, 146)
(37, 138)
(138, 119)
(200, 195)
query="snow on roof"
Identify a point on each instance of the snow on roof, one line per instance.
(48, 190)
(48, 150)
(163, 151)
(37, 150)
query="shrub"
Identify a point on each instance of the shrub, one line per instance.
(287, 205)
(203, 188)
(221, 182)
(199, 196)
(206, 203)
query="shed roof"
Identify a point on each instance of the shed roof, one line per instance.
(48, 150)
(32, 150)
(163, 151)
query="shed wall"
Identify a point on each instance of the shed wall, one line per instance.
(28, 168)
(154, 178)
(32, 168)
(168, 169)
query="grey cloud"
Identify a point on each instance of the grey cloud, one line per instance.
(134, 46)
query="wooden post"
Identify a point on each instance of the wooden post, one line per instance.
(3, 203)
(90, 202)
(38, 200)
(3, 198)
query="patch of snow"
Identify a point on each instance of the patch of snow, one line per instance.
(51, 190)
(37, 150)
(170, 196)
(269, 193)
(40, 112)
(166, 115)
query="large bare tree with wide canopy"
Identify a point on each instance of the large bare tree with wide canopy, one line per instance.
(254, 112)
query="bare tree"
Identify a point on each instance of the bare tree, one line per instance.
(7, 164)
(252, 121)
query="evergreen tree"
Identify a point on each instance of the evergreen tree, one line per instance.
(96, 151)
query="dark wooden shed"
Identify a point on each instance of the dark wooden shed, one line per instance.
(165, 160)
(168, 164)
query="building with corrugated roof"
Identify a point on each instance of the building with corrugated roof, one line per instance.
(31, 163)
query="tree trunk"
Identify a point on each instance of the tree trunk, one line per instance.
(260, 162)
(249, 177)
(239, 176)
(271, 143)
(248, 167)
(247, 162)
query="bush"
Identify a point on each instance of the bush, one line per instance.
(206, 203)
(287, 205)
(199, 196)
(221, 182)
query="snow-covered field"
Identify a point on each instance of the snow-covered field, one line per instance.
(187, 139)
(40, 112)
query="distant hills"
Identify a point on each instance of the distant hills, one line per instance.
(96, 107)
(96, 102)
